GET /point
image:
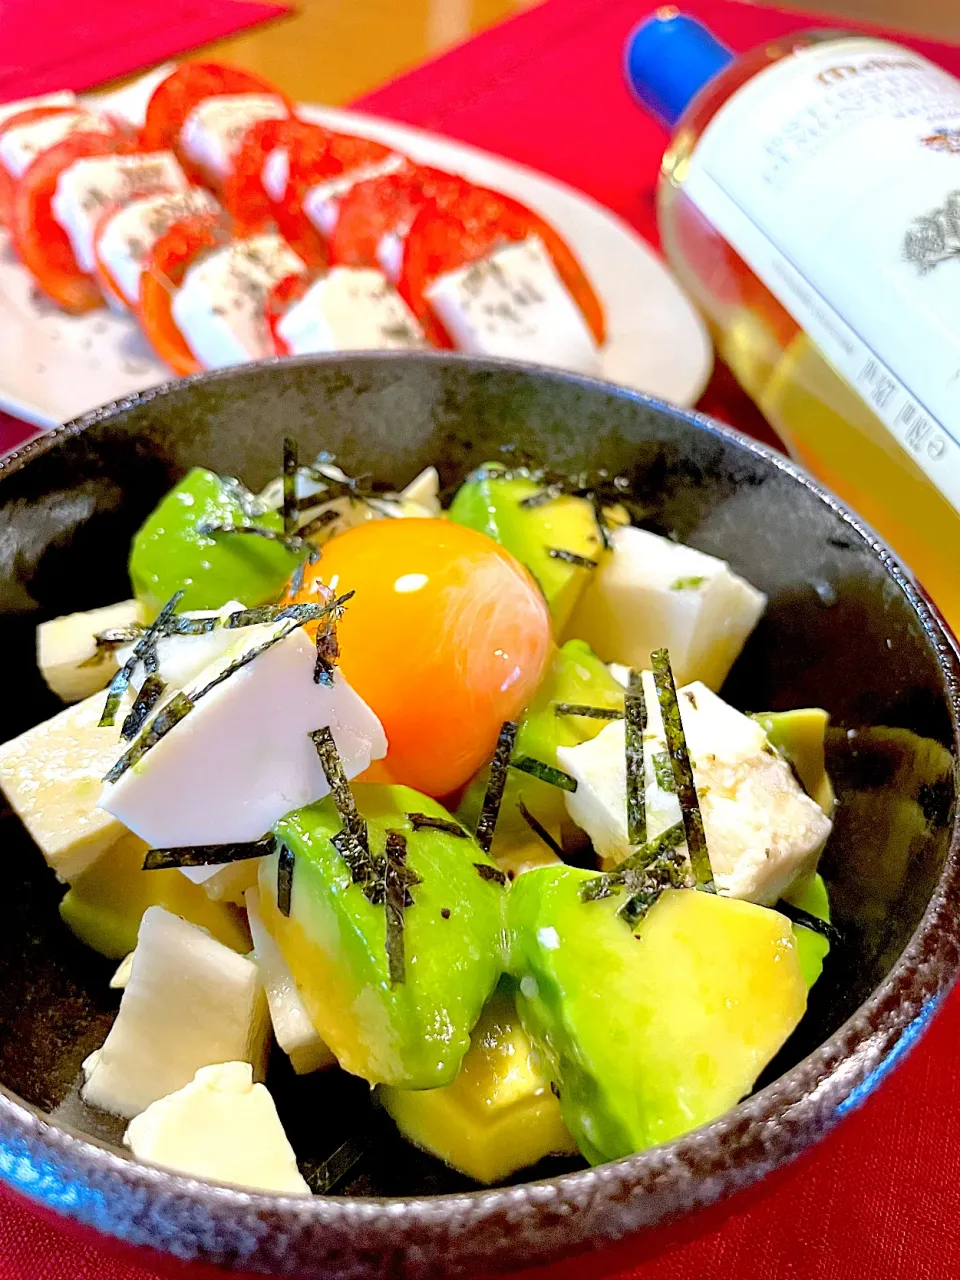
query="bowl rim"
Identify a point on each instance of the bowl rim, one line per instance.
(45, 1160)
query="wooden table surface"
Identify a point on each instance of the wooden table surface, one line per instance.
(335, 50)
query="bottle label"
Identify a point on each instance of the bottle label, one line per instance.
(835, 174)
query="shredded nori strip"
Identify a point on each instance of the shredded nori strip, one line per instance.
(493, 875)
(328, 651)
(249, 505)
(571, 557)
(165, 719)
(663, 772)
(336, 1167)
(537, 827)
(150, 693)
(339, 786)
(545, 772)
(611, 882)
(493, 797)
(319, 521)
(291, 541)
(796, 915)
(113, 638)
(668, 872)
(285, 879)
(635, 712)
(247, 657)
(364, 867)
(145, 651)
(581, 709)
(398, 879)
(682, 771)
(209, 855)
(426, 822)
(290, 505)
(540, 499)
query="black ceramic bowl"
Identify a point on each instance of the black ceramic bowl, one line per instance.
(845, 629)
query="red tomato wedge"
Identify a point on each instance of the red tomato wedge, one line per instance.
(163, 272)
(243, 193)
(192, 83)
(279, 301)
(442, 240)
(38, 239)
(7, 182)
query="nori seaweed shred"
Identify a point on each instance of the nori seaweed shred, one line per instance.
(659, 864)
(635, 712)
(290, 505)
(248, 655)
(427, 822)
(663, 772)
(571, 557)
(581, 709)
(682, 771)
(610, 882)
(540, 499)
(493, 875)
(796, 915)
(166, 719)
(319, 521)
(537, 827)
(668, 872)
(291, 541)
(145, 651)
(545, 772)
(398, 880)
(150, 693)
(339, 786)
(493, 797)
(328, 647)
(110, 639)
(209, 855)
(285, 879)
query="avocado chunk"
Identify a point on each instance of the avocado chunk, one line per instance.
(653, 1031)
(810, 895)
(104, 906)
(499, 1115)
(490, 501)
(412, 1030)
(169, 553)
(575, 677)
(799, 737)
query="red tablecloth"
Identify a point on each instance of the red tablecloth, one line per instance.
(879, 1198)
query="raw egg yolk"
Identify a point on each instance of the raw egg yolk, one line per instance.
(446, 637)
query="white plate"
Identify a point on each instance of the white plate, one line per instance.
(54, 367)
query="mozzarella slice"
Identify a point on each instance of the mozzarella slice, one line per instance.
(189, 1002)
(126, 239)
(221, 1126)
(294, 1032)
(214, 129)
(276, 173)
(321, 204)
(651, 593)
(52, 777)
(87, 186)
(20, 146)
(350, 309)
(763, 831)
(180, 659)
(64, 98)
(242, 757)
(220, 309)
(67, 652)
(514, 304)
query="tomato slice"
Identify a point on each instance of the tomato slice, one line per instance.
(443, 239)
(243, 193)
(279, 301)
(163, 272)
(38, 239)
(7, 181)
(193, 82)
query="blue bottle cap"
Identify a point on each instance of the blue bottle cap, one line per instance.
(669, 58)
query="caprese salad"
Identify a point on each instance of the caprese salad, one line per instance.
(235, 230)
(446, 799)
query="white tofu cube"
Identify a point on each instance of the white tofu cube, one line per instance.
(242, 757)
(514, 304)
(181, 659)
(650, 593)
(189, 1002)
(67, 653)
(763, 831)
(321, 204)
(86, 187)
(221, 307)
(20, 145)
(350, 309)
(294, 1032)
(52, 776)
(223, 1127)
(213, 131)
(126, 239)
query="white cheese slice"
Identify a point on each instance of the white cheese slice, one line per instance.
(350, 309)
(180, 659)
(390, 251)
(294, 1032)
(763, 831)
(513, 303)
(87, 186)
(189, 1002)
(242, 757)
(63, 98)
(214, 129)
(275, 174)
(221, 307)
(21, 145)
(52, 776)
(67, 653)
(223, 1127)
(651, 593)
(128, 237)
(321, 204)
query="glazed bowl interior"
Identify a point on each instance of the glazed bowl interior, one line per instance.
(844, 630)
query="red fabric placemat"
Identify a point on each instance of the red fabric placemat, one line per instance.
(877, 1198)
